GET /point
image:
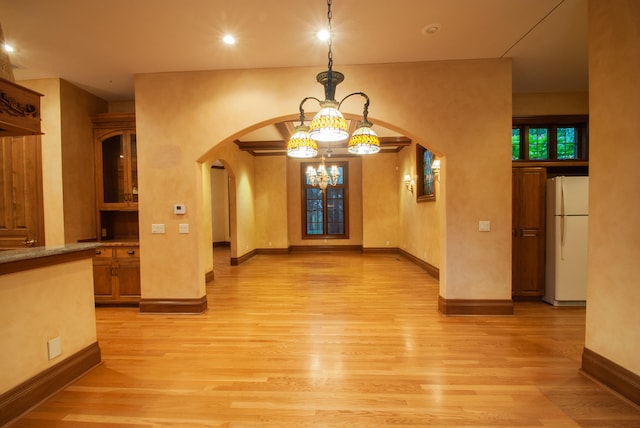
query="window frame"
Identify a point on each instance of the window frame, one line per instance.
(345, 196)
(552, 123)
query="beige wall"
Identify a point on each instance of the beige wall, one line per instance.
(462, 109)
(79, 195)
(271, 202)
(382, 190)
(52, 183)
(220, 205)
(545, 104)
(39, 305)
(613, 292)
(420, 226)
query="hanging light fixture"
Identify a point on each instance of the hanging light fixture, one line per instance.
(321, 177)
(329, 125)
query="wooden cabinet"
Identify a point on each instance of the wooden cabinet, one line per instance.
(116, 266)
(21, 199)
(116, 275)
(528, 243)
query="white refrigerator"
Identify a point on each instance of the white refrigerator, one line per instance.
(566, 241)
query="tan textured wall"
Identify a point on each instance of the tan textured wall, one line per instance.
(220, 205)
(420, 226)
(39, 305)
(271, 202)
(380, 201)
(52, 183)
(462, 107)
(78, 156)
(240, 171)
(613, 293)
(545, 104)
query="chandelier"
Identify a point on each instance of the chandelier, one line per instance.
(329, 125)
(320, 177)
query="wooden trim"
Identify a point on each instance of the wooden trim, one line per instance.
(474, 306)
(381, 250)
(271, 251)
(31, 392)
(235, 261)
(46, 260)
(174, 306)
(612, 375)
(429, 268)
(209, 276)
(327, 248)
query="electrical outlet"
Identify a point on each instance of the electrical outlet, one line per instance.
(484, 226)
(183, 227)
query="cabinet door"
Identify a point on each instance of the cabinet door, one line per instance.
(103, 270)
(128, 260)
(21, 203)
(118, 170)
(528, 264)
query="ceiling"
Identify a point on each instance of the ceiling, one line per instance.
(100, 45)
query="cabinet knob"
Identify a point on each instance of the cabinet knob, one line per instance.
(131, 252)
(98, 252)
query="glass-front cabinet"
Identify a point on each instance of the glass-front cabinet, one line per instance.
(119, 170)
(116, 151)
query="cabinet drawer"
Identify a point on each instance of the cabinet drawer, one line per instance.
(127, 252)
(104, 253)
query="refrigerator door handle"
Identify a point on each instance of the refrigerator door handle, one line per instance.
(562, 219)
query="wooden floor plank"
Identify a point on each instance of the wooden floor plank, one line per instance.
(334, 340)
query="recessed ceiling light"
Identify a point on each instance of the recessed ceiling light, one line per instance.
(323, 35)
(8, 48)
(430, 29)
(229, 39)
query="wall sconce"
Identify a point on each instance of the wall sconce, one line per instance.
(435, 167)
(408, 182)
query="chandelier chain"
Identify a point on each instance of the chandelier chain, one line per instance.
(330, 53)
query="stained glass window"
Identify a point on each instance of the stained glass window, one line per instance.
(566, 143)
(538, 143)
(515, 143)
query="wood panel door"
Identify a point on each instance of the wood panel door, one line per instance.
(529, 202)
(21, 204)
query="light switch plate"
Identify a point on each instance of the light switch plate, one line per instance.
(54, 347)
(484, 226)
(157, 228)
(184, 227)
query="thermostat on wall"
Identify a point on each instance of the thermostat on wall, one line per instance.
(179, 209)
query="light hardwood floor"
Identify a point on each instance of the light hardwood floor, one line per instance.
(334, 340)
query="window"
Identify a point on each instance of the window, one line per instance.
(549, 138)
(325, 213)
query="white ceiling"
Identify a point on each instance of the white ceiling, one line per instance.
(99, 45)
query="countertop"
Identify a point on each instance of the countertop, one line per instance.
(29, 253)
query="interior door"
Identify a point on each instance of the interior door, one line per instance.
(21, 204)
